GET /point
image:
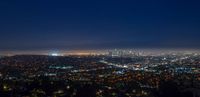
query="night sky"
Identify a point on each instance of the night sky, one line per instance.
(99, 24)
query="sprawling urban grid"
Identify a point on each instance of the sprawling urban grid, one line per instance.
(116, 73)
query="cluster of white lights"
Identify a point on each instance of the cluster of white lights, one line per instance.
(54, 54)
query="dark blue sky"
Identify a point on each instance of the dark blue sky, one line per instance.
(90, 24)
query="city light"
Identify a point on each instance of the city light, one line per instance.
(54, 54)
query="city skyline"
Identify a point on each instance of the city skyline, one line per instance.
(132, 51)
